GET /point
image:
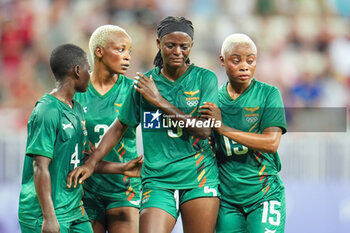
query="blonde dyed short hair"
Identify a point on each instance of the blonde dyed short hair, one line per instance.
(236, 39)
(100, 37)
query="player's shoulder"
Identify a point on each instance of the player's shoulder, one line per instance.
(46, 109)
(124, 79)
(222, 88)
(203, 71)
(154, 72)
(47, 103)
(265, 87)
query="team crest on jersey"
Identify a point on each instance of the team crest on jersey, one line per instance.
(192, 101)
(252, 117)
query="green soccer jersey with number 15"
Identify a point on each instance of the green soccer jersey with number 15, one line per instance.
(57, 132)
(174, 159)
(101, 111)
(247, 175)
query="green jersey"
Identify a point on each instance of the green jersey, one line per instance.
(58, 132)
(247, 175)
(101, 111)
(174, 158)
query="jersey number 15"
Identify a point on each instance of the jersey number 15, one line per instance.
(232, 146)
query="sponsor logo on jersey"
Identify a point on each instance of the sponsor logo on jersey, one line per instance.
(151, 120)
(135, 202)
(192, 101)
(252, 117)
(66, 126)
(85, 109)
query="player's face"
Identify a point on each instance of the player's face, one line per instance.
(240, 64)
(84, 77)
(116, 54)
(175, 48)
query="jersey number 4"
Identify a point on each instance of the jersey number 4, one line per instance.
(74, 159)
(232, 146)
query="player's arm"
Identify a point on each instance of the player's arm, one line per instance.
(108, 141)
(42, 182)
(150, 92)
(268, 141)
(132, 168)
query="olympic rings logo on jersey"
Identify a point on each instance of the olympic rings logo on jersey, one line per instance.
(192, 103)
(251, 119)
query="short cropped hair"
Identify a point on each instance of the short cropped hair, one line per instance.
(235, 39)
(100, 37)
(64, 57)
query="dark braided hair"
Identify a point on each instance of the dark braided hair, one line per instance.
(172, 24)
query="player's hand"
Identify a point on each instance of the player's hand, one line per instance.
(88, 153)
(133, 167)
(85, 171)
(210, 111)
(147, 88)
(50, 225)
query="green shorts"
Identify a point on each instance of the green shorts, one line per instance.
(170, 200)
(79, 226)
(265, 217)
(96, 205)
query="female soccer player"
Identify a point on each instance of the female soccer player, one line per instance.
(112, 202)
(252, 112)
(57, 140)
(179, 172)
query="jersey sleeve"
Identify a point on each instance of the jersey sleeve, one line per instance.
(129, 113)
(209, 89)
(274, 114)
(42, 132)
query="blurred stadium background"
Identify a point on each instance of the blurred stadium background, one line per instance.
(303, 49)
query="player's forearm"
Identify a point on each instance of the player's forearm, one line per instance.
(108, 141)
(266, 142)
(178, 115)
(42, 182)
(106, 167)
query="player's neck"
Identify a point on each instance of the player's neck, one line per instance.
(235, 90)
(103, 80)
(65, 94)
(172, 73)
